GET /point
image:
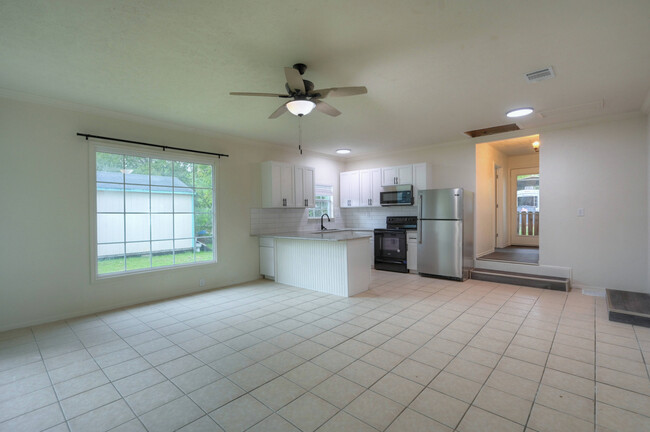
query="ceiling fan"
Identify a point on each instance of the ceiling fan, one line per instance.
(303, 96)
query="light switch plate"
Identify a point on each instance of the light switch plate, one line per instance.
(581, 212)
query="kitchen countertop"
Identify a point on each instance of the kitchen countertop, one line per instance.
(334, 235)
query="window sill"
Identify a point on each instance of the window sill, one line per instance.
(148, 271)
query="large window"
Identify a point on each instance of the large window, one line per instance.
(322, 202)
(152, 212)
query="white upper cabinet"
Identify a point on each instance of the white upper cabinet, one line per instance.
(303, 178)
(369, 187)
(397, 175)
(349, 189)
(286, 186)
(421, 172)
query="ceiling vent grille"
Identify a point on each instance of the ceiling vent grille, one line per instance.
(540, 75)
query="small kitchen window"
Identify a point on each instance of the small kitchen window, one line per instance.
(152, 211)
(323, 202)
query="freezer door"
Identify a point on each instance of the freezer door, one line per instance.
(441, 203)
(440, 248)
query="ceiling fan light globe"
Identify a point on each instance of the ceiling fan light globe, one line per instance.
(300, 107)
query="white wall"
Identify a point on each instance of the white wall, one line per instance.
(602, 168)
(486, 158)
(45, 221)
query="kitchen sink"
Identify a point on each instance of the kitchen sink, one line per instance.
(329, 231)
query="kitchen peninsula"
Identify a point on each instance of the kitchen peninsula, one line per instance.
(332, 262)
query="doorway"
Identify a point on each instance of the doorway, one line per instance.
(524, 207)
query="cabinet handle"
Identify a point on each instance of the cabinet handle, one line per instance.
(349, 203)
(306, 205)
(284, 202)
(368, 201)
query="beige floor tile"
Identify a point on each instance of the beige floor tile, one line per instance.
(416, 371)
(277, 393)
(399, 389)
(469, 370)
(527, 354)
(374, 409)
(240, 414)
(308, 375)
(171, 416)
(532, 343)
(624, 399)
(620, 420)
(195, 379)
(574, 353)
(432, 358)
(333, 360)
(344, 422)
(338, 391)
(480, 356)
(503, 404)
(412, 421)
(382, 359)
(493, 345)
(283, 362)
(573, 367)
(520, 368)
(308, 412)
(514, 385)
(440, 407)
(544, 419)
(620, 364)
(566, 402)
(455, 386)
(478, 420)
(252, 377)
(273, 423)
(354, 348)
(20, 405)
(623, 380)
(399, 347)
(216, 394)
(362, 373)
(567, 382)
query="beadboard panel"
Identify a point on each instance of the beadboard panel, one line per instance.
(316, 265)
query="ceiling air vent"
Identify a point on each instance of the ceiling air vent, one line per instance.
(493, 130)
(540, 75)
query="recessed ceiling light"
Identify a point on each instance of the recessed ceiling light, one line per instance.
(343, 151)
(519, 112)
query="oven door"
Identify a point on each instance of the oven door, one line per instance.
(390, 245)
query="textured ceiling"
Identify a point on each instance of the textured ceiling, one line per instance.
(433, 69)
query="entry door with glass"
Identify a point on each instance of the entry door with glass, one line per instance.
(524, 207)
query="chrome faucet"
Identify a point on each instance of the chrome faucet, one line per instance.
(322, 227)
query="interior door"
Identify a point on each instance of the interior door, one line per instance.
(524, 206)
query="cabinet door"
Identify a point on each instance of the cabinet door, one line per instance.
(388, 176)
(353, 194)
(365, 188)
(308, 187)
(267, 261)
(375, 183)
(419, 177)
(405, 174)
(286, 185)
(344, 189)
(298, 186)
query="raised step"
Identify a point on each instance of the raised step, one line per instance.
(531, 280)
(628, 307)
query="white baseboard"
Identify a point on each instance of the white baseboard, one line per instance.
(482, 254)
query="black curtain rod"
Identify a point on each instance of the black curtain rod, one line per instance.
(219, 155)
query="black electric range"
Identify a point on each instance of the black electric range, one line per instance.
(391, 245)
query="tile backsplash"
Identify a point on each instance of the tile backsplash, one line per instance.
(374, 217)
(273, 221)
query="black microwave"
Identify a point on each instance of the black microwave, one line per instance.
(400, 195)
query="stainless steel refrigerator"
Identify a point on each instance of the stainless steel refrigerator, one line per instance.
(445, 233)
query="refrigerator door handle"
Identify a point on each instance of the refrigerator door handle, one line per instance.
(420, 221)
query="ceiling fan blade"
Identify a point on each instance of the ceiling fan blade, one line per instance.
(342, 91)
(326, 108)
(278, 112)
(258, 94)
(294, 79)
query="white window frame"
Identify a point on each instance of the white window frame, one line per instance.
(330, 192)
(150, 153)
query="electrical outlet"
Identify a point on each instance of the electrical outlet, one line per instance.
(581, 212)
(201, 282)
